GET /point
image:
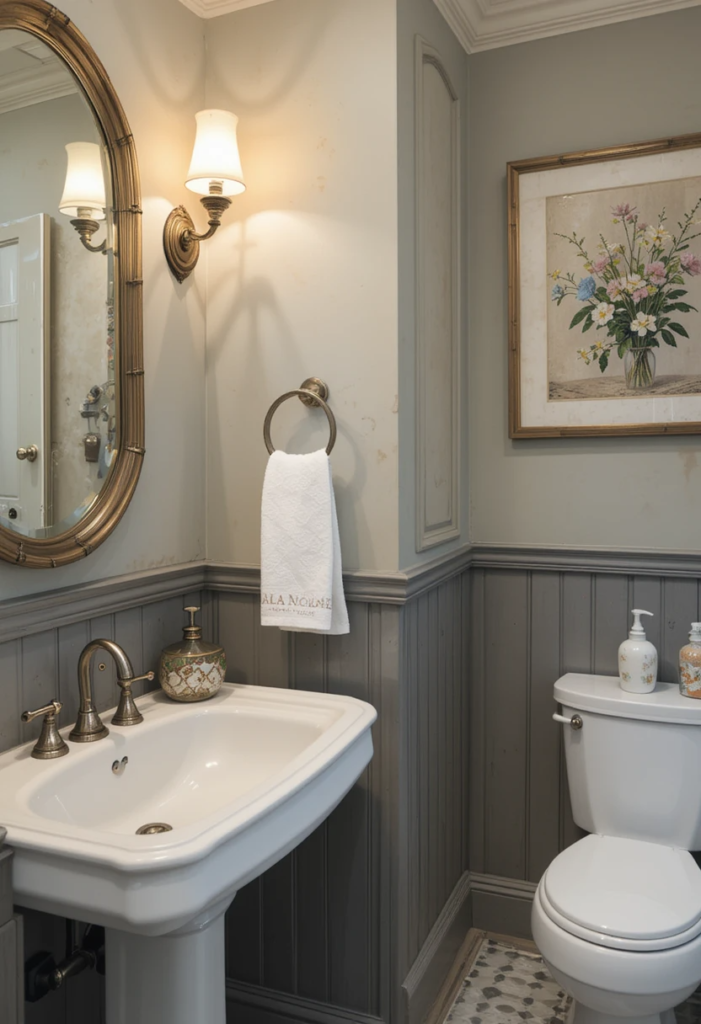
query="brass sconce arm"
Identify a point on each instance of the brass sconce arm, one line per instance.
(181, 242)
(216, 206)
(86, 228)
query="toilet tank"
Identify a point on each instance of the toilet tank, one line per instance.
(634, 767)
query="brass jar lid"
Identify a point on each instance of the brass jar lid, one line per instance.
(192, 643)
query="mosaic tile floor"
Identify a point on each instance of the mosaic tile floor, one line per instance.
(507, 985)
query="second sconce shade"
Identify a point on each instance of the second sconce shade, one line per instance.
(215, 174)
(84, 197)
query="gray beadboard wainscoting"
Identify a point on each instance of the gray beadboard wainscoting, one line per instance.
(40, 641)
(465, 801)
(360, 922)
(537, 615)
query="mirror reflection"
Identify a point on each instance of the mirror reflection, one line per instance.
(58, 409)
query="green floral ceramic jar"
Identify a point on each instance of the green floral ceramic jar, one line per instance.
(192, 670)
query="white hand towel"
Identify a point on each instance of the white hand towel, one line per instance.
(301, 581)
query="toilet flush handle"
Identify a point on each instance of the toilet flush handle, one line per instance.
(575, 721)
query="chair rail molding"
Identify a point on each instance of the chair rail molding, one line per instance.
(55, 608)
(488, 24)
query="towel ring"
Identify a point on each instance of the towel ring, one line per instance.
(312, 391)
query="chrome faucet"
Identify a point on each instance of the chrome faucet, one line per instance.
(89, 726)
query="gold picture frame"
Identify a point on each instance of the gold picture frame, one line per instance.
(56, 30)
(595, 174)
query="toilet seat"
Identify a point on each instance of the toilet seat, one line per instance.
(624, 894)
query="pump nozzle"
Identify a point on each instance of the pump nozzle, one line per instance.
(637, 629)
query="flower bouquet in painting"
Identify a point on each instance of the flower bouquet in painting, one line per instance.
(633, 294)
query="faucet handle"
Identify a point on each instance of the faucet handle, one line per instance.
(127, 712)
(50, 743)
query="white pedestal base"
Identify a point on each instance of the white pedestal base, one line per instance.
(173, 979)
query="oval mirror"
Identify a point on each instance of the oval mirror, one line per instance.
(71, 376)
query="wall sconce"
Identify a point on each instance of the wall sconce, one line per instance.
(83, 196)
(215, 174)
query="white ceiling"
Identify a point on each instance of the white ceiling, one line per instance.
(486, 24)
(213, 8)
(30, 72)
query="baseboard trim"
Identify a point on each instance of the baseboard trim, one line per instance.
(265, 1006)
(428, 973)
(502, 905)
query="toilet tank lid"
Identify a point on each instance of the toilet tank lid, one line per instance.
(603, 696)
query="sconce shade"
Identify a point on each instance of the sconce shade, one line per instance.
(85, 182)
(215, 156)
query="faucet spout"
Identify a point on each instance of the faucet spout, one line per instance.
(89, 726)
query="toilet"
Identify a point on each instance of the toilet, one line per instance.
(617, 916)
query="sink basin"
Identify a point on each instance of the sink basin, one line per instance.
(240, 779)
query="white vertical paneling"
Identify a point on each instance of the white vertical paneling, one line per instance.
(437, 301)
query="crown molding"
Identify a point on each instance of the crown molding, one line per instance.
(488, 24)
(44, 82)
(215, 8)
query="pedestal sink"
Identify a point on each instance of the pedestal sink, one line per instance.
(240, 780)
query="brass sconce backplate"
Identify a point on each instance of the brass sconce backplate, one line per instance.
(182, 249)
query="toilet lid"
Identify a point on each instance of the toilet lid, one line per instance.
(625, 893)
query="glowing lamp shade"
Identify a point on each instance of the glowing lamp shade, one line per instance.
(84, 191)
(215, 157)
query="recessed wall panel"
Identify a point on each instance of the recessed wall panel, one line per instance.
(437, 301)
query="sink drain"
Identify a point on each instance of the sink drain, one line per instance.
(153, 828)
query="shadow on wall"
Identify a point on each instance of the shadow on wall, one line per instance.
(255, 94)
(174, 74)
(252, 304)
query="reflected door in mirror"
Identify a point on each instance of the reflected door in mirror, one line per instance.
(24, 375)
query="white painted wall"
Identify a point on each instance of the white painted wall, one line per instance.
(303, 276)
(574, 92)
(154, 54)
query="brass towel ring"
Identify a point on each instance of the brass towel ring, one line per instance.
(312, 391)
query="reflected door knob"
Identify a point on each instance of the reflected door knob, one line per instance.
(30, 454)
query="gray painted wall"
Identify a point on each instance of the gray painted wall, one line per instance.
(579, 91)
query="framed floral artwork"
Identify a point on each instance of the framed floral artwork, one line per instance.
(605, 291)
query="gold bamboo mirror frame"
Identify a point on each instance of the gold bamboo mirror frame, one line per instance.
(55, 30)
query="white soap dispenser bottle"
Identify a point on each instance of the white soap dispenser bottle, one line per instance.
(637, 659)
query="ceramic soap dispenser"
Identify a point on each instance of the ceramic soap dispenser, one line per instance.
(193, 669)
(690, 663)
(637, 659)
